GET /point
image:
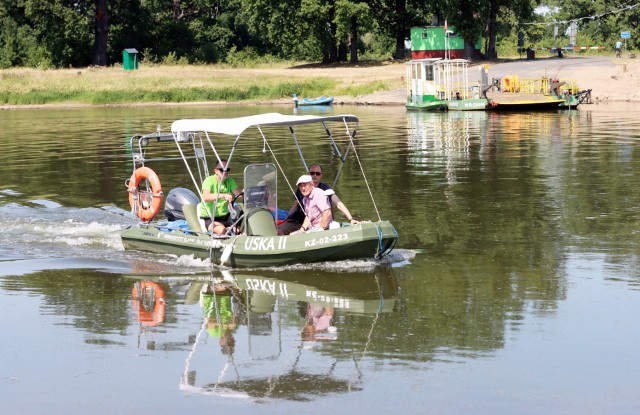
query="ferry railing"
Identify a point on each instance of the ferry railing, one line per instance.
(513, 83)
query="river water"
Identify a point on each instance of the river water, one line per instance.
(514, 287)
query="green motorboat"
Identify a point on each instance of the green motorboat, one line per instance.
(427, 84)
(252, 241)
(263, 249)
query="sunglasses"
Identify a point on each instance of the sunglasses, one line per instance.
(315, 173)
(225, 170)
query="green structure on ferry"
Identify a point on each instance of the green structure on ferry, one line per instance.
(430, 42)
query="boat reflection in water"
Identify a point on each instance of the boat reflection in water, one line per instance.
(148, 302)
(284, 335)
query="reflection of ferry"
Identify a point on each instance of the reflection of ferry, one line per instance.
(444, 140)
(254, 341)
(427, 130)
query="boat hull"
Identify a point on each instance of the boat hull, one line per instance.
(366, 240)
(470, 104)
(569, 102)
(306, 102)
(427, 106)
(546, 105)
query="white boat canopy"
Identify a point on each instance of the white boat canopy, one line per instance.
(187, 129)
(236, 126)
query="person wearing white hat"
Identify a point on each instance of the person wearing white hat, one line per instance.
(315, 171)
(315, 204)
(296, 215)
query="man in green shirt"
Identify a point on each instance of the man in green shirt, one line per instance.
(218, 191)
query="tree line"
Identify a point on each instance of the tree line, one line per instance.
(78, 33)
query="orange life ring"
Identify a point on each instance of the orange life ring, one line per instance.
(144, 293)
(146, 212)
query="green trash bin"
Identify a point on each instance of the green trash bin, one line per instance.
(130, 59)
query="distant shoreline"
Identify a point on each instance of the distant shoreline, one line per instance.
(610, 80)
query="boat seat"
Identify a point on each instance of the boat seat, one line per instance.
(260, 222)
(193, 220)
(202, 225)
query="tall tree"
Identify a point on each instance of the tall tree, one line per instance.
(101, 34)
(492, 31)
(44, 33)
(395, 18)
(351, 17)
(310, 29)
(522, 11)
(298, 29)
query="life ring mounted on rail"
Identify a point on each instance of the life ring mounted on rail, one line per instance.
(145, 204)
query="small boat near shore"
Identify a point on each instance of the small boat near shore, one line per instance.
(428, 86)
(306, 102)
(252, 241)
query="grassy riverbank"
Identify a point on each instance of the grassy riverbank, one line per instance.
(182, 83)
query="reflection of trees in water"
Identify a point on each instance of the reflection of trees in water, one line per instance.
(491, 237)
(495, 240)
(599, 204)
(454, 305)
(468, 304)
(90, 297)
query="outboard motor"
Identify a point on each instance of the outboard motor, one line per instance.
(177, 198)
(256, 196)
